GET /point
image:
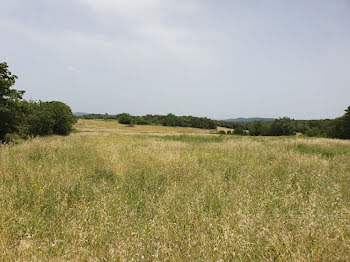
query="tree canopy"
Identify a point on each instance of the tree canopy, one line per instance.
(29, 118)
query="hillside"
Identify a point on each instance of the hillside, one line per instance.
(80, 113)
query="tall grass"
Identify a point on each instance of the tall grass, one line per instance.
(106, 195)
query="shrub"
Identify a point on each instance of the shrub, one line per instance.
(313, 132)
(239, 130)
(124, 118)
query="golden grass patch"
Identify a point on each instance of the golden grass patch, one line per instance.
(151, 193)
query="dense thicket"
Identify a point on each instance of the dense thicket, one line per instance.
(98, 116)
(337, 128)
(164, 120)
(340, 127)
(29, 118)
(167, 120)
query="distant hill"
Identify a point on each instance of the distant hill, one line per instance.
(80, 113)
(241, 119)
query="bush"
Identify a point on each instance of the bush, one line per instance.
(45, 118)
(222, 132)
(313, 132)
(239, 130)
(125, 119)
(140, 121)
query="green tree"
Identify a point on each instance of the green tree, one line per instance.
(313, 132)
(9, 102)
(282, 127)
(239, 130)
(340, 127)
(256, 128)
(61, 115)
(38, 120)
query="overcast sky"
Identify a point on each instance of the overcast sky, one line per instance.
(219, 59)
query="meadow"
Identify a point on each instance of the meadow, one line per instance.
(151, 193)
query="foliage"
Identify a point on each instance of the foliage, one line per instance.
(9, 102)
(124, 118)
(239, 130)
(256, 128)
(282, 127)
(340, 127)
(97, 116)
(313, 132)
(29, 118)
(140, 121)
(167, 120)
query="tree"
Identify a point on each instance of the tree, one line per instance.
(9, 102)
(61, 115)
(313, 132)
(282, 127)
(256, 128)
(340, 127)
(239, 130)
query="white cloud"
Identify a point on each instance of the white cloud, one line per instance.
(73, 69)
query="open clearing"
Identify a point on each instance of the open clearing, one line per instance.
(151, 193)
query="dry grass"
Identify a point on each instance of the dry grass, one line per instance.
(113, 193)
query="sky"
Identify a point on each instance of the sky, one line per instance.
(219, 59)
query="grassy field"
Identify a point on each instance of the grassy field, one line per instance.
(115, 193)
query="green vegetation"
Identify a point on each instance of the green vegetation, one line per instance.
(22, 119)
(9, 102)
(193, 139)
(338, 128)
(324, 150)
(106, 195)
(249, 120)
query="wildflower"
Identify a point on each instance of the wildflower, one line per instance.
(40, 252)
(132, 233)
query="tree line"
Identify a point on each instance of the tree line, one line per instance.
(163, 120)
(332, 128)
(20, 118)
